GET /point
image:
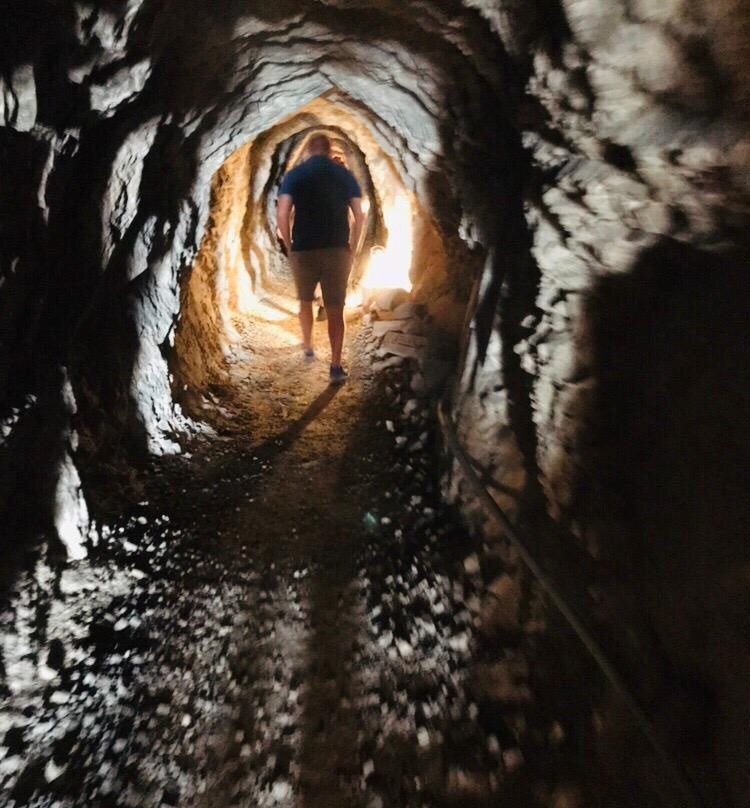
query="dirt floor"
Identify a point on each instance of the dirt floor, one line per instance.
(285, 615)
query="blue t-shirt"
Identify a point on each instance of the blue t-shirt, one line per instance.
(321, 190)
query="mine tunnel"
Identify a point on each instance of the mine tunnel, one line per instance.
(505, 563)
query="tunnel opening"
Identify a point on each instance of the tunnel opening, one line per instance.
(569, 170)
(240, 282)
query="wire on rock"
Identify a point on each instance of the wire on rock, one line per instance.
(688, 793)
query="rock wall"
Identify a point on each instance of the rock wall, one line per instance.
(600, 386)
(115, 120)
(593, 153)
(240, 269)
(205, 328)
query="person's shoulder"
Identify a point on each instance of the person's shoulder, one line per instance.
(296, 171)
(338, 170)
(350, 180)
(290, 178)
(343, 171)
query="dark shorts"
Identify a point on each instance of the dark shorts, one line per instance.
(330, 267)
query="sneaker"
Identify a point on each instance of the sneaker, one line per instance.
(309, 354)
(338, 374)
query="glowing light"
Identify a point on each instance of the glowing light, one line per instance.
(245, 296)
(390, 265)
(261, 310)
(354, 298)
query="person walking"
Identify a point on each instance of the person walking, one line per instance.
(321, 245)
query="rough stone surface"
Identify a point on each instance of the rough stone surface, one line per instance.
(594, 154)
(115, 121)
(569, 398)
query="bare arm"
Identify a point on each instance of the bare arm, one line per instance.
(283, 219)
(355, 237)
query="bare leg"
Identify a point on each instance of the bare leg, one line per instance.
(306, 322)
(336, 329)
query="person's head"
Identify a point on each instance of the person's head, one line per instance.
(319, 144)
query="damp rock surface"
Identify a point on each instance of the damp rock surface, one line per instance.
(580, 171)
(282, 615)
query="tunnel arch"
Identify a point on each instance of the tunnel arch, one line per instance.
(412, 140)
(441, 264)
(566, 143)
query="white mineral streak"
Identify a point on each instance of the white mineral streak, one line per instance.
(71, 515)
